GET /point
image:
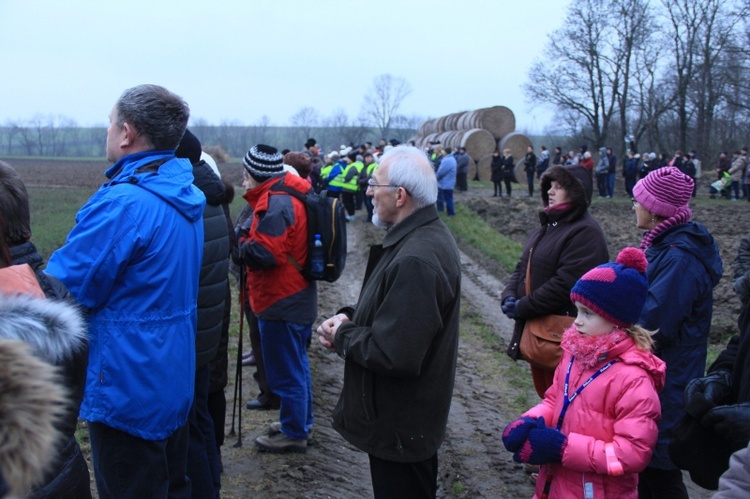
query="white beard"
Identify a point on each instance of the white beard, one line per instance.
(377, 222)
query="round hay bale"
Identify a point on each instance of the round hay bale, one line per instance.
(468, 121)
(498, 120)
(517, 143)
(484, 168)
(519, 173)
(445, 138)
(472, 175)
(478, 143)
(432, 137)
(440, 126)
(456, 120)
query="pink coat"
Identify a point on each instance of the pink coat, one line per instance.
(617, 414)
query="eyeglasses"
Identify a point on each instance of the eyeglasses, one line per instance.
(371, 183)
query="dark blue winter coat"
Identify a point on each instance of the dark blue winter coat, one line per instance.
(683, 267)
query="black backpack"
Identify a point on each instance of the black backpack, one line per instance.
(325, 216)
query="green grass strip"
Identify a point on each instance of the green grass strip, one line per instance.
(472, 229)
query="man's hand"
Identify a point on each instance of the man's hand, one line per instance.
(327, 330)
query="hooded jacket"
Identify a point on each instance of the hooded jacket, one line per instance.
(59, 336)
(133, 261)
(620, 409)
(683, 268)
(31, 403)
(566, 245)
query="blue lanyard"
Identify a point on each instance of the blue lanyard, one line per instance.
(567, 400)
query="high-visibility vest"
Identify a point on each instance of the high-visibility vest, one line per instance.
(338, 180)
(352, 184)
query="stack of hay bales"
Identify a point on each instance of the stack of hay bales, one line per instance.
(481, 132)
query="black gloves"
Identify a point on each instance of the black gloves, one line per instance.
(509, 307)
(730, 421)
(703, 394)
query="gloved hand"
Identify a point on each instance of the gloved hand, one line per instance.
(244, 229)
(730, 421)
(544, 445)
(515, 434)
(703, 394)
(509, 307)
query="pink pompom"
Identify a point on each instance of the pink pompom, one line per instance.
(633, 258)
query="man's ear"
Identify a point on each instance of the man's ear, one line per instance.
(129, 137)
(401, 197)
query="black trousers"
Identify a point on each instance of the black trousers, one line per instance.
(348, 198)
(661, 484)
(392, 480)
(128, 466)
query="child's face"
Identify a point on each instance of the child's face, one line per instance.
(590, 323)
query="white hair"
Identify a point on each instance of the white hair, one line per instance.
(409, 167)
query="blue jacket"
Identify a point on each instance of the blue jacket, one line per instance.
(683, 267)
(133, 261)
(446, 173)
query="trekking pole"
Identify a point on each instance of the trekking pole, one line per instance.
(238, 368)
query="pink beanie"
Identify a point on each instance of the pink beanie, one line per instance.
(664, 191)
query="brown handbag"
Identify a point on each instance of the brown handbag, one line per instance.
(541, 336)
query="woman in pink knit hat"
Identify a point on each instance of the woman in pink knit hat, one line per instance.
(683, 267)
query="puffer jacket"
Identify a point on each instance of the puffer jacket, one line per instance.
(56, 333)
(214, 277)
(133, 261)
(620, 409)
(566, 245)
(275, 241)
(683, 268)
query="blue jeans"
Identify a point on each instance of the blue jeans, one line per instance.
(601, 184)
(127, 466)
(203, 460)
(611, 184)
(284, 346)
(445, 196)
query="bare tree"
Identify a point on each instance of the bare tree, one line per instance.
(579, 73)
(305, 119)
(383, 101)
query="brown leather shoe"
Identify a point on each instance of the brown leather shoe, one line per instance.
(280, 443)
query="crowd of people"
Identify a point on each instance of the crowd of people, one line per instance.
(134, 310)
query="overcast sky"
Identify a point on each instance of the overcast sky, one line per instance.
(237, 60)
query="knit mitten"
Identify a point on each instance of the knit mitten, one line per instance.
(543, 445)
(515, 434)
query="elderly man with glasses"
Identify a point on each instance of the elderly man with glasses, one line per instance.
(399, 342)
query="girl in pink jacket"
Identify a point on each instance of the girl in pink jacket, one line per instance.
(597, 425)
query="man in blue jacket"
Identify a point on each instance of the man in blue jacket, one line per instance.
(446, 177)
(133, 261)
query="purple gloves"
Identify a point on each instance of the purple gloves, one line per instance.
(516, 433)
(543, 445)
(509, 307)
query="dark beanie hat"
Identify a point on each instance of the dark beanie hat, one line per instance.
(263, 162)
(616, 291)
(189, 147)
(300, 161)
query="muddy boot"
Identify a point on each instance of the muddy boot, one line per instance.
(280, 443)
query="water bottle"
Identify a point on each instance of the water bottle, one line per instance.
(317, 260)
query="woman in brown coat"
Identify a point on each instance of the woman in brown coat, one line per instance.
(567, 244)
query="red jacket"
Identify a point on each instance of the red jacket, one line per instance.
(619, 409)
(277, 238)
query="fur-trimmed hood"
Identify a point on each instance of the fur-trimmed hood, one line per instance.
(32, 402)
(54, 329)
